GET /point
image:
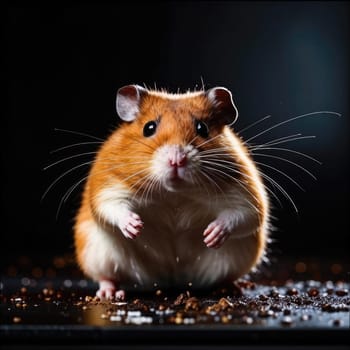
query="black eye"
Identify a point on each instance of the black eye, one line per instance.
(201, 129)
(150, 128)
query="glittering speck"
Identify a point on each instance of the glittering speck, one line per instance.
(25, 281)
(83, 283)
(68, 283)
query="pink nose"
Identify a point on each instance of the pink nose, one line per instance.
(177, 157)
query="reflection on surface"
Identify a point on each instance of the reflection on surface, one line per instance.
(292, 304)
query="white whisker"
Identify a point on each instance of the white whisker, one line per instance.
(253, 124)
(68, 194)
(231, 177)
(67, 158)
(280, 188)
(292, 151)
(283, 141)
(279, 139)
(76, 144)
(148, 189)
(250, 177)
(190, 143)
(281, 172)
(143, 143)
(75, 185)
(290, 120)
(287, 161)
(62, 175)
(211, 180)
(209, 140)
(132, 175)
(216, 150)
(79, 133)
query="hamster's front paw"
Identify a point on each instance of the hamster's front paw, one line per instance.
(215, 234)
(131, 225)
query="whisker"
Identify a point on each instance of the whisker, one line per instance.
(200, 182)
(279, 139)
(128, 157)
(68, 193)
(144, 186)
(67, 158)
(281, 172)
(215, 150)
(143, 143)
(253, 124)
(150, 186)
(79, 133)
(132, 175)
(75, 144)
(269, 190)
(281, 189)
(71, 189)
(290, 120)
(292, 151)
(142, 180)
(209, 140)
(233, 178)
(62, 175)
(276, 184)
(286, 160)
(190, 143)
(285, 141)
(249, 177)
(200, 156)
(212, 181)
(83, 164)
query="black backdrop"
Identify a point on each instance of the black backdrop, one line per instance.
(64, 63)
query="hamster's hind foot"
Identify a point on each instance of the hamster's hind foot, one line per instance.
(108, 290)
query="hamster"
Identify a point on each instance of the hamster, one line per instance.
(173, 196)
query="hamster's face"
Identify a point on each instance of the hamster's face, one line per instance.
(176, 140)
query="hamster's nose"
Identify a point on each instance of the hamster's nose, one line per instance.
(177, 156)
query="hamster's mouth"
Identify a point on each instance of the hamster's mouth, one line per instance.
(177, 173)
(174, 181)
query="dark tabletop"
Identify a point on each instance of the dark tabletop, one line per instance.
(63, 311)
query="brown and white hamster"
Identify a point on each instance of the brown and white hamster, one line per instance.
(172, 197)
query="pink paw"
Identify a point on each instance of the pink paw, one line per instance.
(215, 234)
(131, 225)
(108, 291)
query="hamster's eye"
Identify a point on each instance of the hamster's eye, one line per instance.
(150, 128)
(201, 128)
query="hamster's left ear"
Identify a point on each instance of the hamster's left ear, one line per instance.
(128, 101)
(221, 100)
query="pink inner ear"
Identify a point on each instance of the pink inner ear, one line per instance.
(221, 99)
(223, 96)
(127, 103)
(129, 91)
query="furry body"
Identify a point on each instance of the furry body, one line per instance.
(174, 207)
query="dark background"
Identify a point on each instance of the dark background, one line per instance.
(64, 63)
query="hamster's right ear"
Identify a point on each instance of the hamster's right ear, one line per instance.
(128, 101)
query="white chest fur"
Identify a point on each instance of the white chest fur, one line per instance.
(170, 249)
